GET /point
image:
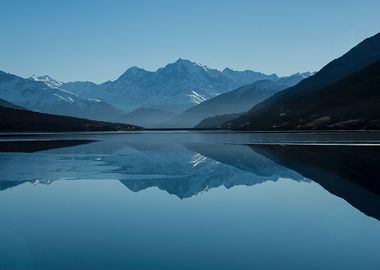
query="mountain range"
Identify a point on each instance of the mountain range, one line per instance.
(175, 87)
(145, 98)
(342, 95)
(43, 94)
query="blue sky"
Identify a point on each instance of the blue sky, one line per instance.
(98, 40)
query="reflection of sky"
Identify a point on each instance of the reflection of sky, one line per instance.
(90, 224)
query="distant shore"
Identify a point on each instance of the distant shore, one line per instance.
(173, 130)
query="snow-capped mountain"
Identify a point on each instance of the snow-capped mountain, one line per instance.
(175, 87)
(47, 80)
(44, 94)
(196, 173)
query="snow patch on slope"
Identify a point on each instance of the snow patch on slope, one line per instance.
(47, 80)
(196, 97)
(197, 159)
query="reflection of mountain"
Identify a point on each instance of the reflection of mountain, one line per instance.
(187, 172)
(349, 172)
(8, 184)
(185, 165)
(35, 146)
(179, 170)
(24, 167)
(243, 158)
(68, 163)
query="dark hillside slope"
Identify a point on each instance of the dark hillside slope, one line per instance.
(350, 104)
(268, 115)
(7, 104)
(15, 120)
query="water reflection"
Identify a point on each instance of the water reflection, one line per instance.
(350, 172)
(190, 167)
(180, 169)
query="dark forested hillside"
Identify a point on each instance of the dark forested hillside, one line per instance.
(327, 100)
(16, 120)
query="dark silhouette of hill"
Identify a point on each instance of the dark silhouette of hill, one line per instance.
(350, 104)
(16, 120)
(326, 99)
(217, 121)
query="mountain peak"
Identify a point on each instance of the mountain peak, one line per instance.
(305, 74)
(133, 72)
(191, 64)
(45, 77)
(182, 60)
(47, 80)
(134, 69)
(184, 67)
(227, 70)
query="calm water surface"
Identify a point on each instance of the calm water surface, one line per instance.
(189, 201)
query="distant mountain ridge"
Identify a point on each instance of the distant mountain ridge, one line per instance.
(175, 87)
(237, 101)
(140, 93)
(146, 117)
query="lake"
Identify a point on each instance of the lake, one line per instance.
(190, 200)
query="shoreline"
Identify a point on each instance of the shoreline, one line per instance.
(219, 131)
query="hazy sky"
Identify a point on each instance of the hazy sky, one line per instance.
(99, 40)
